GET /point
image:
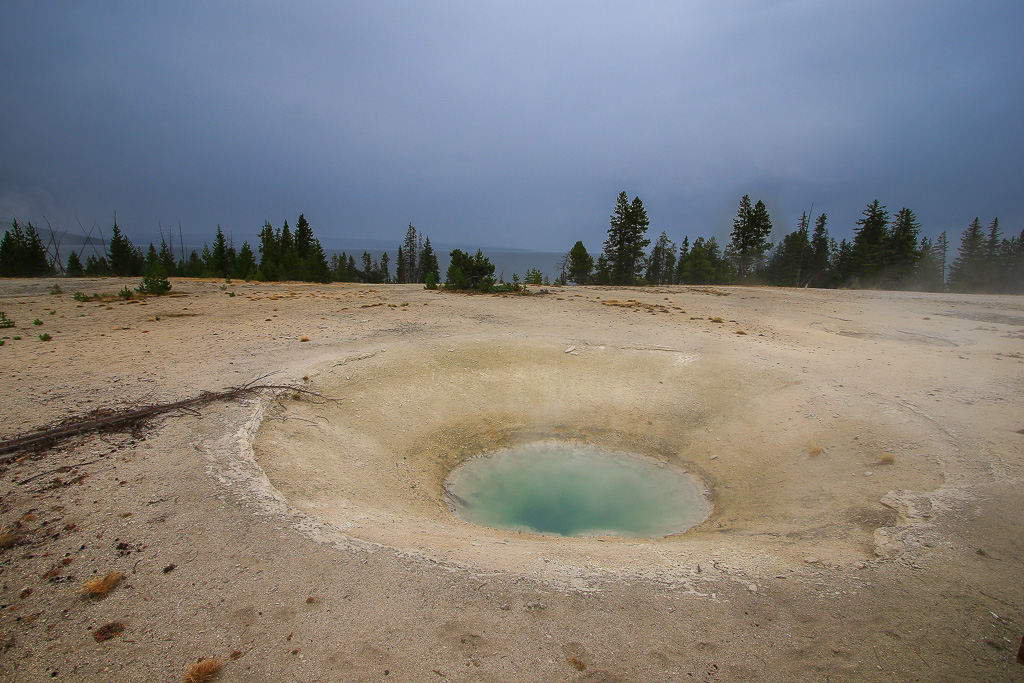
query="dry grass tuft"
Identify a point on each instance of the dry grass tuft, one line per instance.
(203, 671)
(99, 586)
(716, 319)
(815, 450)
(887, 459)
(8, 538)
(578, 663)
(304, 339)
(108, 631)
(741, 331)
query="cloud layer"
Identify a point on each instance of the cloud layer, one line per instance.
(510, 124)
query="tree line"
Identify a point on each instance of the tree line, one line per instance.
(887, 252)
(281, 254)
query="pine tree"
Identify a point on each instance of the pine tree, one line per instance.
(721, 267)
(345, 271)
(411, 252)
(22, 253)
(662, 263)
(74, 267)
(401, 276)
(469, 272)
(818, 274)
(901, 250)
(218, 263)
(750, 232)
(152, 257)
(699, 268)
(270, 253)
(303, 237)
(967, 272)
(581, 264)
(602, 271)
(428, 264)
(11, 249)
(208, 264)
(995, 276)
(789, 262)
(384, 272)
(868, 256)
(684, 252)
(125, 259)
(291, 264)
(841, 263)
(244, 266)
(942, 251)
(166, 257)
(35, 257)
(316, 263)
(928, 277)
(96, 267)
(368, 271)
(1014, 257)
(993, 241)
(624, 248)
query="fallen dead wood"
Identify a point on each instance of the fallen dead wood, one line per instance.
(103, 420)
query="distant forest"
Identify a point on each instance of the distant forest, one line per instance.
(887, 252)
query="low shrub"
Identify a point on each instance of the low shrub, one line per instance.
(154, 283)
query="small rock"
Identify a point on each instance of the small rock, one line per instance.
(752, 588)
(811, 559)
(570, 349)
(530, 606)
(505, 607)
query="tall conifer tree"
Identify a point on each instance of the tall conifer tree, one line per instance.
(967, 272)
(868, 254)
(626, 242)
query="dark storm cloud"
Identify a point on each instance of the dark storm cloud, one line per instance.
(508, 123)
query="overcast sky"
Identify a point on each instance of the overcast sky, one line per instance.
(509, 124)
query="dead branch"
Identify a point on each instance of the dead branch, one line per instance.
(99, 420)
(64, 469)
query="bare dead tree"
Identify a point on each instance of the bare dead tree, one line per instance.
(55, 259)
(181, 240)
(46, 437)
(88, 239)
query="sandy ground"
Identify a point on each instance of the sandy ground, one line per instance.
(863, 450)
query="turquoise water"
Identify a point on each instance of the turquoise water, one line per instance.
(566, 490)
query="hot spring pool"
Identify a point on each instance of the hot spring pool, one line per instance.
(569, 490)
